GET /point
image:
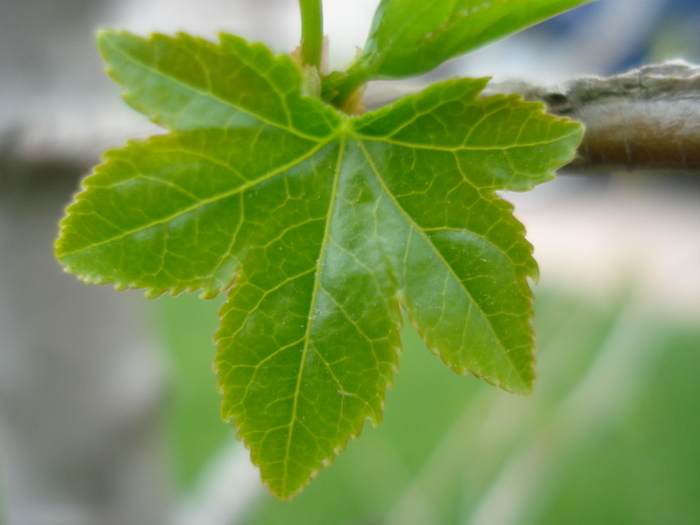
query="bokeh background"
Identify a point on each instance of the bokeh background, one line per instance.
(108, 409)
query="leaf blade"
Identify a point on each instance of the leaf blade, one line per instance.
(321, 227)
(471, 226)
(346, 355)
(410, 37)
(229, 85)
(178, 224)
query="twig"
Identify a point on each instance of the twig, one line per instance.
(647, 119)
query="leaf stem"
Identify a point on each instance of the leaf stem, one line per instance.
(311, 32)
(347, 95)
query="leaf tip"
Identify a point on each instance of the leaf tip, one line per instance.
(106, 38)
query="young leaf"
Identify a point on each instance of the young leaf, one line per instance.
(410, 37)
(321, 227)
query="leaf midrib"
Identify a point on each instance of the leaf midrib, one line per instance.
(406, 144)
(210, 95)
(312, 308)
(427, 240)
(240, 189)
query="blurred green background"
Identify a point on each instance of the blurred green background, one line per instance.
(610, 435)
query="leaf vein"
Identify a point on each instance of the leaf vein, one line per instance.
(212, 96)
(204, 202)
(437, 253)
(311, 316)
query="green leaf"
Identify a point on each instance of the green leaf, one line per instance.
(320, 227)
(410, 37)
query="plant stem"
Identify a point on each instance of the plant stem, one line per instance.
(311, 32)
(357, 77)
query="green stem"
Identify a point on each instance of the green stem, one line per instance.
(358, 75)
(311, 32)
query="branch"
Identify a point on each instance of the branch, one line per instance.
(647, 119)
(311, 32)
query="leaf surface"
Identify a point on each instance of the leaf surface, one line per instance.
(320, 227)
(410, 37)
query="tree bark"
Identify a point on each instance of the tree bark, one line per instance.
(647, 119)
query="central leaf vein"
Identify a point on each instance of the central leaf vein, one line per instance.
(312, 311)
(210, 95)
(415, 227)
(204, 202)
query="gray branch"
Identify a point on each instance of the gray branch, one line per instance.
(647, 119)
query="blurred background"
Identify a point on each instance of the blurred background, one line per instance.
(108, 408)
